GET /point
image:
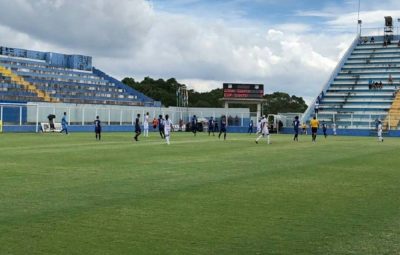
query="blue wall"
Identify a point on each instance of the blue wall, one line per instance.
(348, 132)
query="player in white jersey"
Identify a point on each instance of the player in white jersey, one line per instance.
(167, 128)
(146, 125)
(259, 126)
(334, 128)
(264, 130)
(380, 128)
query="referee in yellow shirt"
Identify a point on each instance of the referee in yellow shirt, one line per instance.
(314, 123)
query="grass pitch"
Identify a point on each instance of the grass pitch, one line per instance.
(200, 195)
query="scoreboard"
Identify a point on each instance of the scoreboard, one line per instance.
(243, 91)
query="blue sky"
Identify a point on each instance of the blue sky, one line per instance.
(290, 46)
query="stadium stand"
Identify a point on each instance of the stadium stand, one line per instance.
(33, 76)
(362, 88)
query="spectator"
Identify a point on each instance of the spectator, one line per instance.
(380, 85)
(372, 40)
(390, 79)
(398, 44)
(365, 40)
(316, 107)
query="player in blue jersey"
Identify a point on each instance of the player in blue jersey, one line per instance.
(296, 125)
(138, 130)
(250, 130)
(324, 129)
(223, 127)
(97, 128)
(161, 126)
(64, 124)
(194, 124)
(211, 126)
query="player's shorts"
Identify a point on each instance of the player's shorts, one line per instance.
(314, 130)
(138, 130)
(296, 131)
(379, 133)
(97, 130)
(167, 132)
(223, 130)
(146, 125)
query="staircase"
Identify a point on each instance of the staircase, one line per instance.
(26, 85)
(393, 118)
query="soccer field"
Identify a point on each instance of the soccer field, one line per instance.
(73, 195)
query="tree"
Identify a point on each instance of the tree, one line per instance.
(165, 91)
(282, 102)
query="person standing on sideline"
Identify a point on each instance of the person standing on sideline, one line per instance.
(316, 107)
(250, 130)
(146, 125)
(194, 125)
(64, 124)
(264, 130)
(296, 125)
(334, 128)
(304, 127)
(167, 128)
(161, 126)
(138, 130)
(223, 127)
(314, 123)
(380, 129)
(211, 125)
(324, 128)
(97, 128)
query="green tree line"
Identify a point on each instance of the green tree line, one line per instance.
(165, 91)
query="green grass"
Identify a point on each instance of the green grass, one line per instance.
(72, 195)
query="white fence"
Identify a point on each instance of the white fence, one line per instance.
(35, 113)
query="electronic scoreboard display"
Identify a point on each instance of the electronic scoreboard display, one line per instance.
(244, 91)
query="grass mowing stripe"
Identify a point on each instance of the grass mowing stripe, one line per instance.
(199, 195)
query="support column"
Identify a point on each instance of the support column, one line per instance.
(226, 105)
(258, 111)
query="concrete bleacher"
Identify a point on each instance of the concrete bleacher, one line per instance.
(32, 76)
(349, 99)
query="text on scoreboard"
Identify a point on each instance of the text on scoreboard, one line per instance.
(235, 90)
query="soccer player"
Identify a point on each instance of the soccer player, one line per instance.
(211, 125)
(223, 127)
(324, 128)
(161, 126)
(194, 125)
(264, 130)
(138, 130)
(64, 124)
(167, 128)
(334, 129)
(259, 126)
(296, 125)
(380, 128)
(146, 125)
(97, 128)
(250, 130)
(314, 123)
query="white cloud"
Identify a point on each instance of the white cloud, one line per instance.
(129, 38)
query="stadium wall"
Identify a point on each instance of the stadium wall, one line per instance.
(347, 132)
(27, 117)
